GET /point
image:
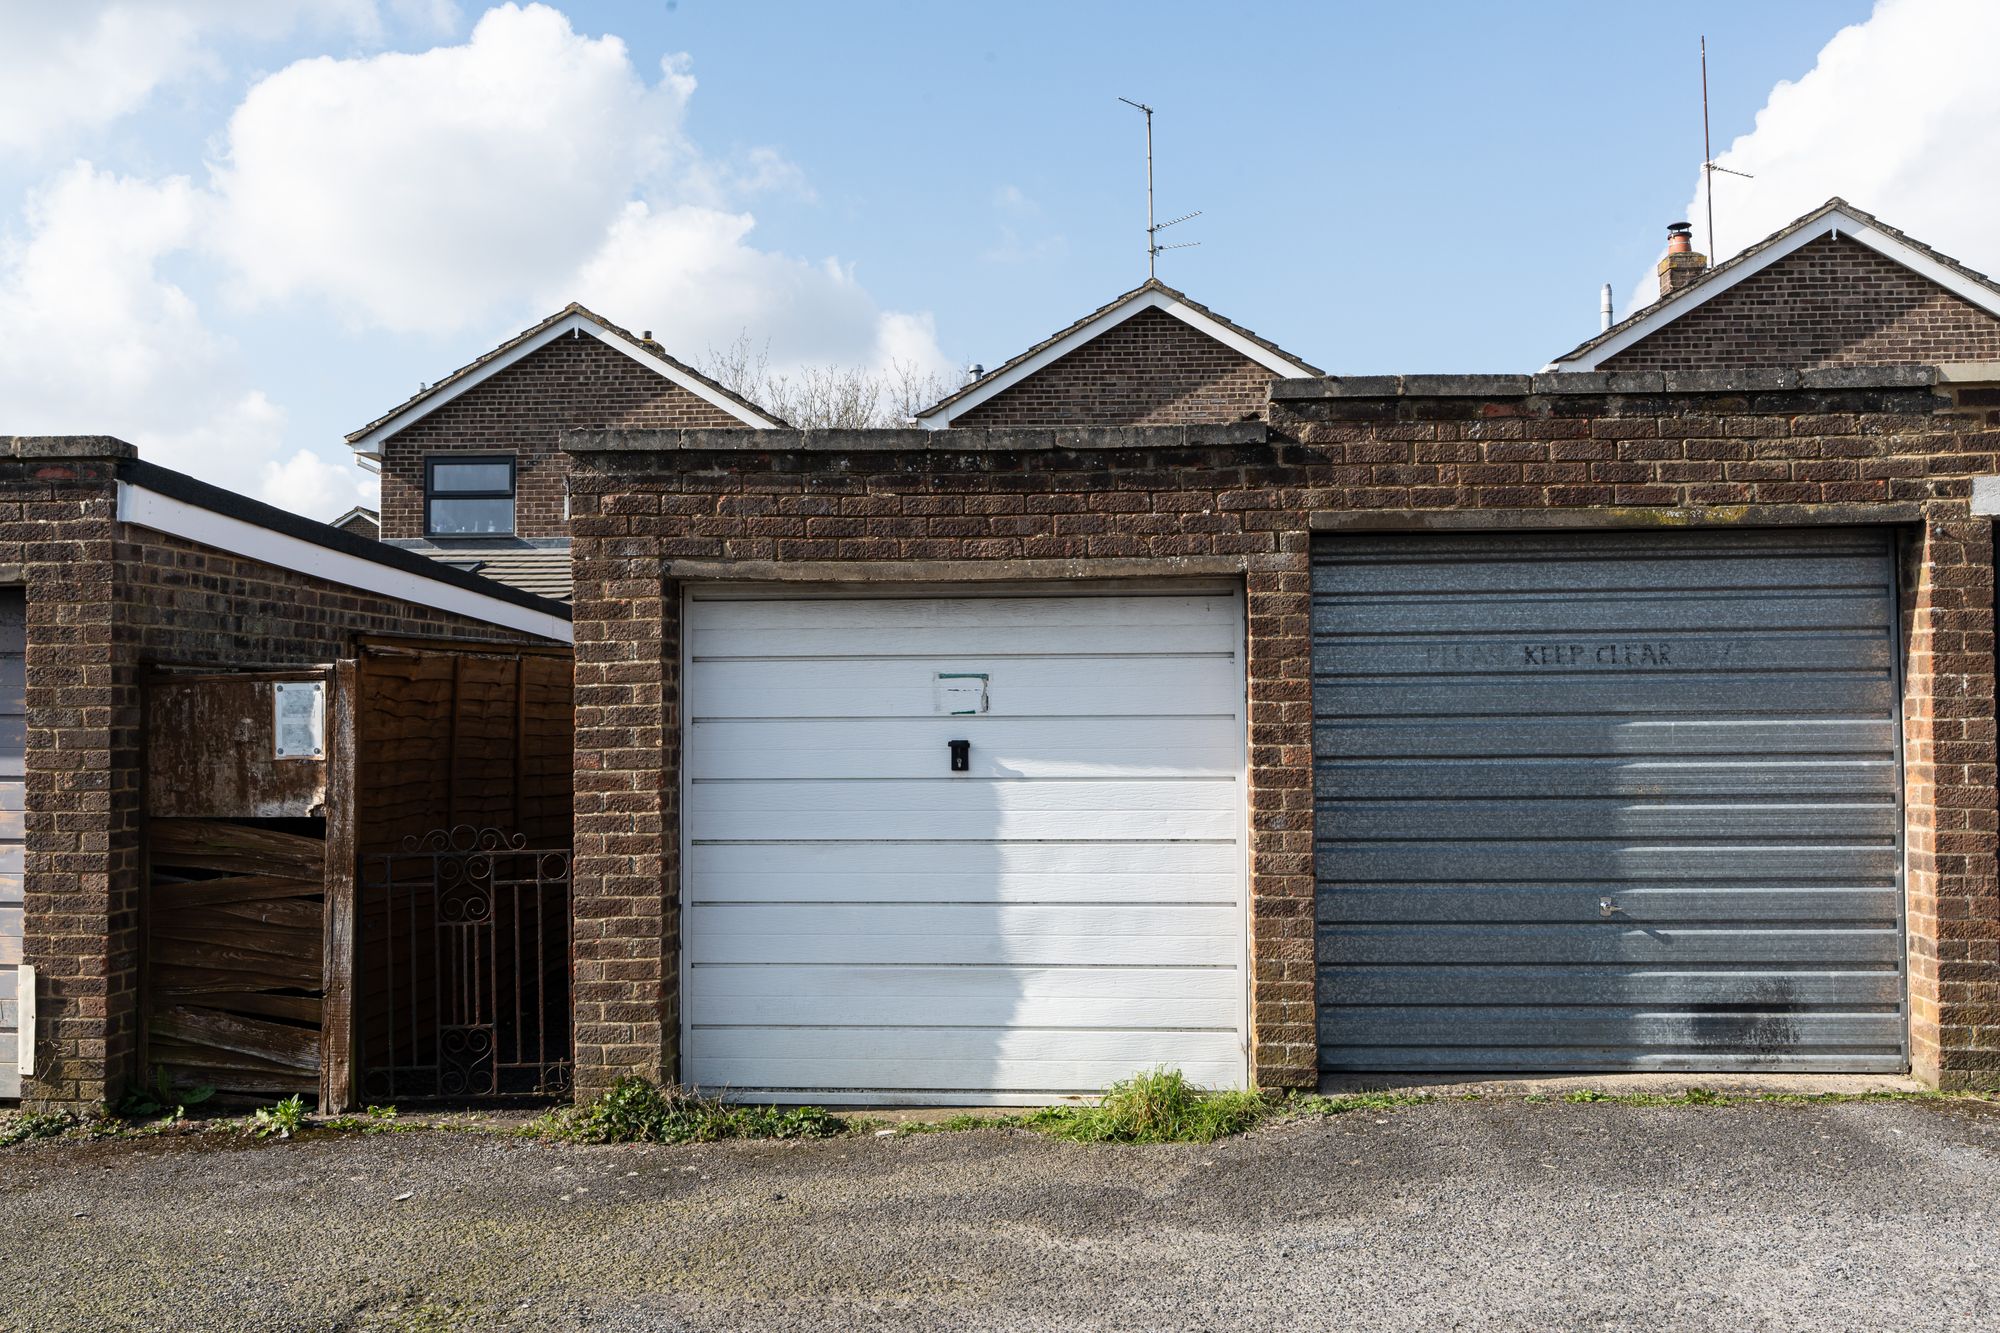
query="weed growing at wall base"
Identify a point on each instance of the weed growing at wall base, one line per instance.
(282, 1120)
(28, 1126)
(634, 1110)
(1159, 1106)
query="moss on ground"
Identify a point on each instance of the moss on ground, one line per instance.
(1160, 1106)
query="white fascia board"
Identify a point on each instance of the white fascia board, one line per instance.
(370, 445)
(1230, 338)
(1111, 319)
(1835, 223)
(177, 518)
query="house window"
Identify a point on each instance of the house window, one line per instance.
(468, 497)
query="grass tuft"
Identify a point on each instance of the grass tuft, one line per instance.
(635, 1110)
(955, 1124)
(1160, 1106)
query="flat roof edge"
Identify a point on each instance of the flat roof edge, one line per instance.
(910, 440)
(216, 499)
(1603, 382)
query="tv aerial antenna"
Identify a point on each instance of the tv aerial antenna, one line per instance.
(1709, 166)
(1153, 229)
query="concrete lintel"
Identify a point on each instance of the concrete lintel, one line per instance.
(1986, 497)
(1629, 518)
(65, 446)
(977, 440)
(954, 571)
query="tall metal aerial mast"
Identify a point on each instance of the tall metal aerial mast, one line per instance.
(1153, 230)
(1708, 164)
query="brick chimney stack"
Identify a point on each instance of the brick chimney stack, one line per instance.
(1682, 265)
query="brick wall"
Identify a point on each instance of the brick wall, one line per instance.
(1950, 817)
(79, 877)
(1151, 370)
(1832, 302)
(1025, 506)
(626, 833)
(570, 382)
(104, 602)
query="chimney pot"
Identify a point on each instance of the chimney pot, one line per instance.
(1682, 265)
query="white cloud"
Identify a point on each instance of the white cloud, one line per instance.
(1900, 115)
(71, 66)
(431, 191)
(308, 484)
(439, 16)
(96, 338)
(65, 67)
(475, 185)
(469, 186)
(688, 274)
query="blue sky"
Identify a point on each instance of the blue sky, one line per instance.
(234, 232)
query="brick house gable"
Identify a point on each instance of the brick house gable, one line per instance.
(1833, 302)
(1835, 288)
(1151, 357)
(522, 410)
(1151, 370)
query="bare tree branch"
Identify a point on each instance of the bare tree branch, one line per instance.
(825, 397)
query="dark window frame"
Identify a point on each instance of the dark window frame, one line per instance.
(432, 494)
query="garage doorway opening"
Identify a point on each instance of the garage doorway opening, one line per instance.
(464, 951)
(1610, 801)
(358, 876)
(962, 844)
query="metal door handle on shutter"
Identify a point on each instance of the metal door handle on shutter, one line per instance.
(1605, 907)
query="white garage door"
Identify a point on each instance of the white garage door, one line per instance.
(863, 923)
(13, 749)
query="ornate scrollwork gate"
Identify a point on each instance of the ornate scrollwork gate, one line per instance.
(464, 969)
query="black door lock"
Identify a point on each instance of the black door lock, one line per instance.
(961, 756)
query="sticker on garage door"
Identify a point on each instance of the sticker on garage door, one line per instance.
(961, 693)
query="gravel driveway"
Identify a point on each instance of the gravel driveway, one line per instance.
(1446, 1215)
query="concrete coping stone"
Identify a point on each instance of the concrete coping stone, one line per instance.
(1969, 372)
(1604, 382)
(65, 446)
(910, 439)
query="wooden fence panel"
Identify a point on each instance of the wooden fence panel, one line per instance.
(234, 955)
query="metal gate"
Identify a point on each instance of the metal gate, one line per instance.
(464, 969)
(1609, 801)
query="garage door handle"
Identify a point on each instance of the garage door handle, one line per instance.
(1605, 907)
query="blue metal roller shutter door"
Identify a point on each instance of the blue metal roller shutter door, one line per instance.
(1609, 801)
